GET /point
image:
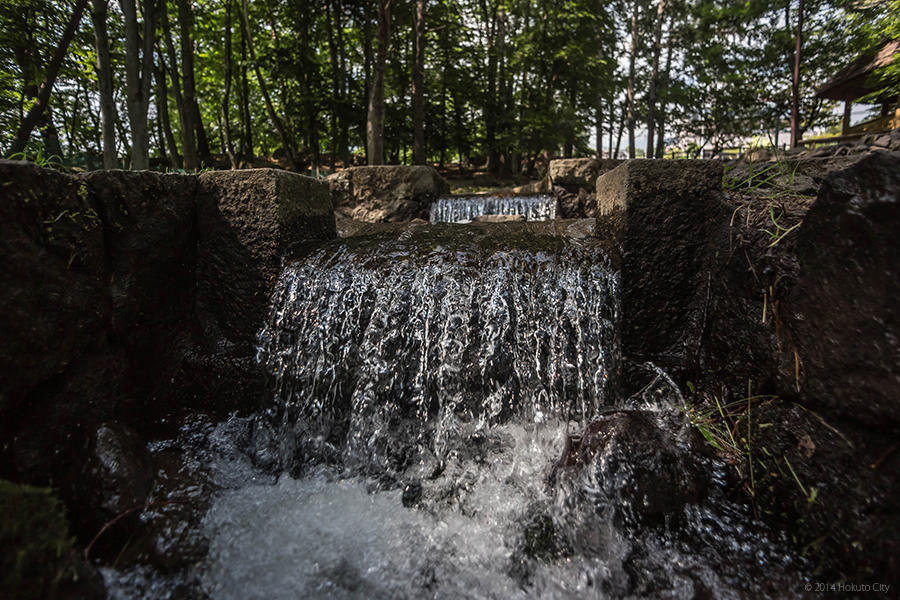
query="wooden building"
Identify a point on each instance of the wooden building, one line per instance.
(854, 81)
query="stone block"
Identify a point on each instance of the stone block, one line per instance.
(247, 221)
(668, 222)
(844, 313)
(386, 193)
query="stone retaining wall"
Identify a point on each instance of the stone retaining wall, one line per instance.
(128, 296)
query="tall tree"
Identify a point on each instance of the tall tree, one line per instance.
(162, 112)
(191, 161)
(795, 87)
(632, 56)
(375, 119)
(226, 104)
(138, 74)
(105, 81)
(418, 87)
(37, 110)
(652, 93)
(270, 108)
(193, 121)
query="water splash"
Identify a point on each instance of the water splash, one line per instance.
(380, 350)
(429, 386)
(463, 209)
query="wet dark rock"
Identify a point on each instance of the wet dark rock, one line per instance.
(844, 315)
(105, 281)
(412, 493)
(116, 478)
(834, 487)
(248, 220)
(647, 465)
(385, 193)
(120, 469)
(149, 221)
(670, 225)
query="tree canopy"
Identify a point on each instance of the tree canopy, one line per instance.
(189, 84)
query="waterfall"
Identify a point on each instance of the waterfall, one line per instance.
(377, 348)
(462, 209)
(430, 387)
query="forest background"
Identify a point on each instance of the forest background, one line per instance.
(495, 84)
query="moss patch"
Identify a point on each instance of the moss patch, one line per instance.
(37, 558)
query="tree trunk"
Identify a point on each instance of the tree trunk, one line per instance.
(105, 79)
(190, 162)
(335, 81)
(795, 87)
(162, 111)
(569, 143)
(612, 126)
(598, 123)
(654, 78)
(138, 72)
(375, 120)
(244, 112)
(661, 111)
(309, 101)
(490, 104)
(418, 87)
(226, 100)
(630, 91)
(36, 112)
(285, 142)
(192, 123)
(343, 143)
(624, 110)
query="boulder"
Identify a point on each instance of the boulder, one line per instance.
(581, 204)
(882, 141)
(381, 194)
(579, 172)
(247, 221)
(117, 475)
(646, 465)
(845, 320)
(668, 221)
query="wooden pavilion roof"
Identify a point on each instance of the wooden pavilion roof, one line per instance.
(852, 81)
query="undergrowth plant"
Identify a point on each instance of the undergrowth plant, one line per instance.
(38, 158)
(730, 428)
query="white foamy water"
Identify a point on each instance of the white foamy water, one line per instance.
(462, 209)
(324, 536)
(425, 386)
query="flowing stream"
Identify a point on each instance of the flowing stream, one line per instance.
(428, 384)
(463, 209)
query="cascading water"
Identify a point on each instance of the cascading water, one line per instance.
(462, 209)
(430, 389)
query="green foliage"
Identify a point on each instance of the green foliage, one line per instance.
(513, 78)
(36, 555)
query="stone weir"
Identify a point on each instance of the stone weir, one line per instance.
(793, 328)
(126, 297)
(129, 296)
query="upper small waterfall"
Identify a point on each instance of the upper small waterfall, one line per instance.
(461, 209)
